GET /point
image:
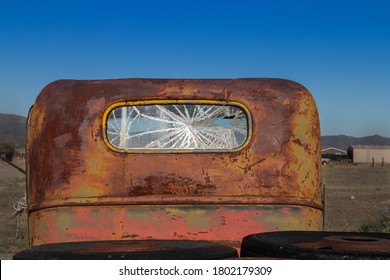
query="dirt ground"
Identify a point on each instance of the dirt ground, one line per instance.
(355, 196)
(13, 231)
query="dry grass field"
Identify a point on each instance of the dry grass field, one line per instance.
(356, 196)
(13, 231)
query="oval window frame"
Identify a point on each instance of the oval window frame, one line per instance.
(118, 104)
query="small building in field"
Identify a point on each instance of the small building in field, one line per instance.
(333, 151)
(369, 154)
(331, 154)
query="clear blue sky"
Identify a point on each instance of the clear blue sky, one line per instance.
(339, 50)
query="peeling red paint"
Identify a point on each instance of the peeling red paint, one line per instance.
(226, 223)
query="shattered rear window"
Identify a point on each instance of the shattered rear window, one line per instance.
(177, 127)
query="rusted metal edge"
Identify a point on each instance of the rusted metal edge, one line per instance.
(56, 203)
(349, 243)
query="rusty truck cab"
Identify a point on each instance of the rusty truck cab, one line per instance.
(172, 159)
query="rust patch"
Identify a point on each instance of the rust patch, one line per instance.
(171, 185)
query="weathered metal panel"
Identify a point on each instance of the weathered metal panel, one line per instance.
(70, 165)
(192, 222)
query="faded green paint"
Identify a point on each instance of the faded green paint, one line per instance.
(64, 220)
(208, 222)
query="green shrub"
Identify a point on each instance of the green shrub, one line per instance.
(382, 226)
(7, 151)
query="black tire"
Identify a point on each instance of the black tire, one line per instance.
(308, 245)
(129, 250)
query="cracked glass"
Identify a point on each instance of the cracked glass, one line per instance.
(177, 127)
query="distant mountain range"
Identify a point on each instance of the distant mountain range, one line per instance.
(13, 129)
(343, 142)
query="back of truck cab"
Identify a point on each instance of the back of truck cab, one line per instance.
(172, 159)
